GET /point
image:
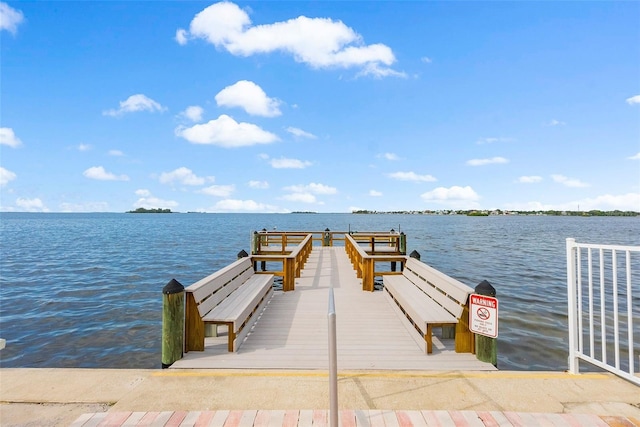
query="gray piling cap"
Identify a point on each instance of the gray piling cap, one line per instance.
(415, 254)
(173, 287)
(242, 254)
(485, 288)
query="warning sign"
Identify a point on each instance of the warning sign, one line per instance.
(483, 315)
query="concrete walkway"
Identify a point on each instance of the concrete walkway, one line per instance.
(52, 397)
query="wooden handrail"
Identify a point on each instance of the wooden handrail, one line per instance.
(292, 260)
(364, 263)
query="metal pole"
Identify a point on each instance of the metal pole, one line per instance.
(572, 306)
(333, 363)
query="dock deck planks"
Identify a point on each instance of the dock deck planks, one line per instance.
(292, 331)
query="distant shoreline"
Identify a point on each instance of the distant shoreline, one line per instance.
(498, 212)
(367, 212)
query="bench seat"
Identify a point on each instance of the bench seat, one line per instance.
(232, 296)
(429, 298)
(238, 309)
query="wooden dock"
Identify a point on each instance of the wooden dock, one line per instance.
(292, 331)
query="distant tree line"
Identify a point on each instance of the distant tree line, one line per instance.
(156, 210)
(476, 212)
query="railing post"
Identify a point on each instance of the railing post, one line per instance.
(333, 363)
(172, 322)
(574, 367)
(326, 239)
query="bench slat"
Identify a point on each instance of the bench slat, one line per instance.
(202, 288)
(247, 327)
(455, 288)
(237, 306)
(428, 279)
(420, 308)
(223, 293)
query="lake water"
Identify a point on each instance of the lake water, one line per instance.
(84, 290)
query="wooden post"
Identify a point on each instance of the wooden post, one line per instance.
(403, 244)
(486, 347)
(172, 322)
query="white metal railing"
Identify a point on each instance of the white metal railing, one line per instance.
(604, 324)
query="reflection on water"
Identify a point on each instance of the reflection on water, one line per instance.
(84, 290)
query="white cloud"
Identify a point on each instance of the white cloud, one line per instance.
(115, 153)
(232, 205)
(184, 176)
(284, 163)
(374, 193)
(6, 176)
(317, 42)
(10, 18)
(182, 36)
(300, 133)
(259, 185)
(426, 60)
(306, 193)
(148, 201)
(300, 197)
(569, 182)
(633, 100)
(529, 179)
(635, 157)
(455, 197)
(623, 202)
(192, 113)
(8, 137)
(312, 188)
(491, 161)
(84, 147)
(389, 156)
(100, 174)
(84, 207)
(135, 103)
(493, 140)
(218, 190)
(250, 97)
(31, 205)
(411, 176)
(555, 122)
(226, 132)
(606, 202)
(379, 72)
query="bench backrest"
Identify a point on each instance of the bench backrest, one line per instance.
(450, 293)
(211, 290)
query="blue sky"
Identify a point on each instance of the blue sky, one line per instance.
(319, 106)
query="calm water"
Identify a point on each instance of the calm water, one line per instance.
(84, 290)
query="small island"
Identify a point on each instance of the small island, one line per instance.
(156, 210)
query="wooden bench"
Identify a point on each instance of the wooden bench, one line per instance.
(430, 298)
(232, 296)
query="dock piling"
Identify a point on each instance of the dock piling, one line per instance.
(486, 347)
(172, 323)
